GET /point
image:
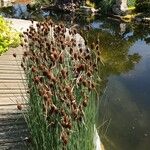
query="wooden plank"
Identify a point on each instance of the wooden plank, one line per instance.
(11, 87)
(11, 121)
(14, 146)
(12, 101)
(4, 118)
(13, 127)
(19, 97)
(13, 106)
(12, 66)
(18, 50)
(10, 136)
(10, 141)
(10, 115)
(9, 78)
(17, 82)
(11, 72)
(6, 62)
(10, 57)
(10, 110)
(12, 75)
(9, 64)
(13, 95)
(12, 91)
(13, 84)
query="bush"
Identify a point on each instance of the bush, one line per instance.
(131, 2)
(143, 6)
(105, 5)
(8, 36)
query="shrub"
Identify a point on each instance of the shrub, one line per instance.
(8, 36)
(131, 2)
(60, 74)
(105, 5)
(143, 6)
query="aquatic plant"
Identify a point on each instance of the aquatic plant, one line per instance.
(62, 88)
(8, 36)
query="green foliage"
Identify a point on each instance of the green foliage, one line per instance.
(131, 2)
(105, 5)
(8, 36)
(143, 6)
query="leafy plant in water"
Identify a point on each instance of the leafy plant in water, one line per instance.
(8, 36)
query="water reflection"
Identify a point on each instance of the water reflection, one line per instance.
(124, 115)
(22, 11)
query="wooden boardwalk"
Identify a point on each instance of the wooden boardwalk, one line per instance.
(13, 129)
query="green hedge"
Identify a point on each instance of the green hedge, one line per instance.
(8, 36)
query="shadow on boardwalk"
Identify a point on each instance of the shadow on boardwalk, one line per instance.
(13, 129)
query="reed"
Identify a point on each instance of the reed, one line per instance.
(60, 76)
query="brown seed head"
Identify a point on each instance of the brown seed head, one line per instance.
(19, 107)
(14, 54)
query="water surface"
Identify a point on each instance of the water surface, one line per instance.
(124, 108)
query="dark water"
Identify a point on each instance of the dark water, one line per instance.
(124, 106)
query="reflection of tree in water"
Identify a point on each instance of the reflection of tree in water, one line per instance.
(128, 127)
(115, 58)
(141, 32)
(114, 53)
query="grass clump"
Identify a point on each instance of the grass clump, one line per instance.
(60, 73)
(8, 36)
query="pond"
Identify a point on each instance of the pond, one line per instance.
(123, 111)
(124, 114)
(124, 93)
